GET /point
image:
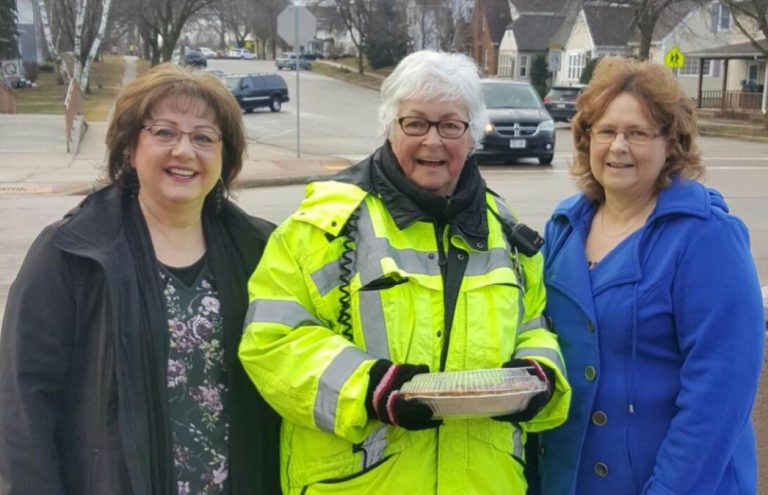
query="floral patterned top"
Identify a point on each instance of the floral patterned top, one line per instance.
(196, 380)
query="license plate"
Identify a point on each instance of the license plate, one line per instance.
(517, 143)
(561, 105)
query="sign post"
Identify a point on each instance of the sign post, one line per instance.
(296, 25)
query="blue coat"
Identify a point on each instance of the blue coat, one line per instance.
(663, 343)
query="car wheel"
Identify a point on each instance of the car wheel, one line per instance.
(275, 105)
(546, 160)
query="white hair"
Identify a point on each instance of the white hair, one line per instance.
(430, 75)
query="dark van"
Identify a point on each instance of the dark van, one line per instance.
(258, 90)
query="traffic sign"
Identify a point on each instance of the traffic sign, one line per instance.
(296, 24)
(674, 59)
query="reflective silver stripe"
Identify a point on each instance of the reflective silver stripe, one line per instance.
(374, 447)
(368, 255)
(504, 211)
(540, 322)
(482, 262)
(533, 352)
(289, 313)
(517, 438)
(333, 378)
(374, 324)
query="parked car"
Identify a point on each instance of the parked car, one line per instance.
(195, 58)
(208, 52)
(560, 101)
(519, 127)
(258, 90)
(241, 53)
(287, 60)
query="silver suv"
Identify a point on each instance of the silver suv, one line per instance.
(287, 60)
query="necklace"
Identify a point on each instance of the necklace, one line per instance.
(642, 217)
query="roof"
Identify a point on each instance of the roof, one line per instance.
(540, 6)
(533, 32)
(609, 25)
(497, 16)
(673, 15)
(740, 50)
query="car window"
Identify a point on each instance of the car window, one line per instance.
(510, 96)
(232, 82)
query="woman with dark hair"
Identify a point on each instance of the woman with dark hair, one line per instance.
(118, 355)
(656, 302)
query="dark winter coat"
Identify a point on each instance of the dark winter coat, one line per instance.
(84, 409)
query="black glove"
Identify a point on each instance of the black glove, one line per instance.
(539, 400)
(385, 403)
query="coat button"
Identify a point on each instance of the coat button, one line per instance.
(599, 418)
(431, 256)
(439, 333)
(590, 373)
(590, 326)
(601, 469)
(460, 256)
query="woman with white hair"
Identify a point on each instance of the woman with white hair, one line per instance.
(400, 265)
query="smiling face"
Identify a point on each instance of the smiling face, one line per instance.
(624, 169)
(177, 176)
(431, 162)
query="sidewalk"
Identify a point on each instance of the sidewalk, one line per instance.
(33, 157)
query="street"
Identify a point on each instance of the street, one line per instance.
(340, 119)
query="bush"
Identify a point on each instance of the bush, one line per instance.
(540, 74)
(589, 69)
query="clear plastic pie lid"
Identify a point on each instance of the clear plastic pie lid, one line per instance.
(474, 393)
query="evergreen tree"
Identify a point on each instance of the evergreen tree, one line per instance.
(8, 35)
(540, 74)
(388, 40)
(586, 73)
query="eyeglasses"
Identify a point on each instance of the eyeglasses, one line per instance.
(638, 136)
(201, 139)
(448, 129)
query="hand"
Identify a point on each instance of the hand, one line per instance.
(385, 403)
(539, 400)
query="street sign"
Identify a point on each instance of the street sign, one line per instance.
(674, 59)
(296, 25)
(554, 61)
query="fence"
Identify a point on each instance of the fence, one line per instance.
(7, 99)
(73, 115)
(732, 100)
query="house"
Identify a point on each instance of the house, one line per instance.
(331, 35)
(597, 31)
(489, 21)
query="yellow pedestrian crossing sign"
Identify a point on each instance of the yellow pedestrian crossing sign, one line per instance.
(674, 59)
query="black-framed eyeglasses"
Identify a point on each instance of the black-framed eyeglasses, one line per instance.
(201, 138)
(637, 136)
(448, 129)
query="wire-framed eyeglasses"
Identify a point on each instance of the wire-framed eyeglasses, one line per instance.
(639, 136)
(447, 129)
(203, 139)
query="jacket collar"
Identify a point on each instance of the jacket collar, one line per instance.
(465, 211)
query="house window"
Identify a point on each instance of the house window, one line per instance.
(505, 64)
(721, 17)
(576, 62)
(691, 67)
(523, 66)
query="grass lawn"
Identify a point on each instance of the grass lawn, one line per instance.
(105, 83)
(348, 74)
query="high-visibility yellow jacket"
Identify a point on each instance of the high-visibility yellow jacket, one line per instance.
(296, 352)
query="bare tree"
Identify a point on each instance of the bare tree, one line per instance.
(52, 44)
(751, 18)
(263, 22)
(164, 20)
(356, 15)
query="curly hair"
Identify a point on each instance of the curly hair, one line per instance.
(667, 105)
(139, 100)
